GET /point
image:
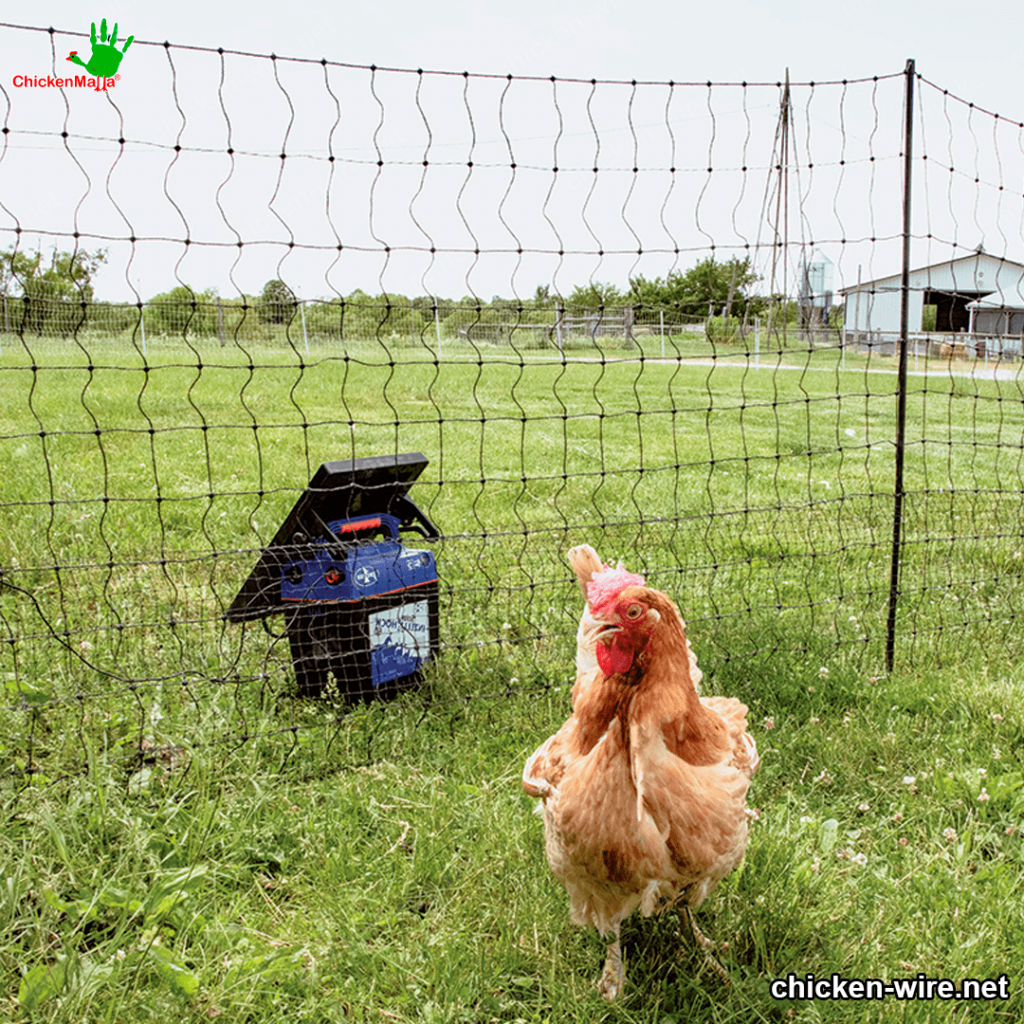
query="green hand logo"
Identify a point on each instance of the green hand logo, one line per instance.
(106, 58)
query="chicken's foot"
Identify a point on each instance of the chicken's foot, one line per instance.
(613, 976)
(704, 944)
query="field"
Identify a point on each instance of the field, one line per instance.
(185, 840)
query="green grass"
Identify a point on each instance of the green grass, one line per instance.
(391, 869)
(192, 842)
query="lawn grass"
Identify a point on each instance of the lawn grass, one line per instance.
(185, 840)
(391, 869)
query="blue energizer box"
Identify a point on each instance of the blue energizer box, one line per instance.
(365, 608)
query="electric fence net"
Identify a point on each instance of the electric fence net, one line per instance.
(660, 318)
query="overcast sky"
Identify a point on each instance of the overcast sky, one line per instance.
(967, 48)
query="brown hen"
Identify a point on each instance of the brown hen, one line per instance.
(644, 787)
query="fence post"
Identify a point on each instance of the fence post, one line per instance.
(305, 336)
(901, 397)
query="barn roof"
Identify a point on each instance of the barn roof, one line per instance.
(996, 301)
(979, 273)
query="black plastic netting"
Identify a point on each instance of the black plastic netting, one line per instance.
(661, 318)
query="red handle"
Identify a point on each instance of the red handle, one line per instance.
(359, 524)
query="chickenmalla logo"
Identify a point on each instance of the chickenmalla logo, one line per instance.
(102, 65)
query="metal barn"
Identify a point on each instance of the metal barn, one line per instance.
(951, 287)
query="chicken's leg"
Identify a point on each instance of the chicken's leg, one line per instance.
(703, 943)
(613, 976)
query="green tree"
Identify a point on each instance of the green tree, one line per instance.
(694, 291)
(183, 311)
(594, 296)
(242, 321)
(113, 317)
(277, 303)
(424, 304)
(54, 298)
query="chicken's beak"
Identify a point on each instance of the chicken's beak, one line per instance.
(607, 631)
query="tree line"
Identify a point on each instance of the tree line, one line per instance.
(56, 296)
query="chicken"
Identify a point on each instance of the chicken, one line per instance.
(585, 563)
(644, 788)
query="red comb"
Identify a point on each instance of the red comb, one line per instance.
(605, 586)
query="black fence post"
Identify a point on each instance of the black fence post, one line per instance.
(901, 397)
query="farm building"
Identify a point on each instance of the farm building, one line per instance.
(974, 293)
(994, 315)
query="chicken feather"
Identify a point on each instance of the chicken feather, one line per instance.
(644, 787)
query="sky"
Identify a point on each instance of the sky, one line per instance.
(956, 44)
(53, 189)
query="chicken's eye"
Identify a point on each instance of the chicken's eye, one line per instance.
(634, 611)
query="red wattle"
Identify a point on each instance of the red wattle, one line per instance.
(613, 659)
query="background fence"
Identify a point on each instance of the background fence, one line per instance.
(607, 312)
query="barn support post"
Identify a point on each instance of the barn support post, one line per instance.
(901, 393)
